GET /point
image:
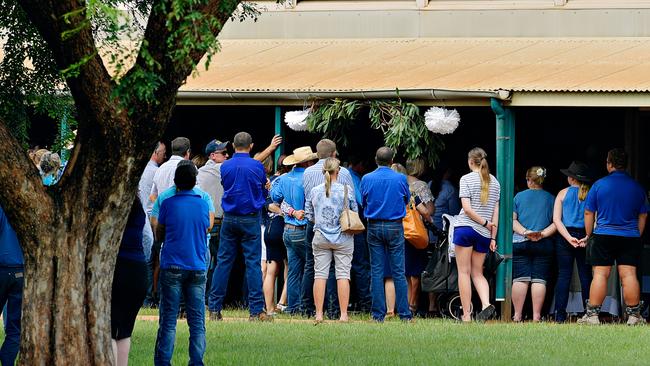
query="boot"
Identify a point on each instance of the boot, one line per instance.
(591, 315)
(634, 314)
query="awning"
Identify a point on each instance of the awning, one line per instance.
(557, 70)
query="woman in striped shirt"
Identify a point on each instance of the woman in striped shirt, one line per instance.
(475, 232)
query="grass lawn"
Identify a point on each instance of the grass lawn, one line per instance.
(297, 342)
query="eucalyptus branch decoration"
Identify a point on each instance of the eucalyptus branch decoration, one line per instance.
(404, 129)
(401, 123)
(334, 118)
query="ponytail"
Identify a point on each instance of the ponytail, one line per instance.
(328, 184)
(583, 190)
(485, 180)
(478, 157)
(331, 165)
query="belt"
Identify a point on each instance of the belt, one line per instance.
(380, 220)
(294, 227)
(242, 215)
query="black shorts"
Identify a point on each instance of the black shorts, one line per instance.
(604, 250)
(129, 290)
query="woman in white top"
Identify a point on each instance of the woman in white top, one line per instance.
(330, 244)
(475, 232)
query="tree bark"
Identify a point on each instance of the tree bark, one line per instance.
(70, 233)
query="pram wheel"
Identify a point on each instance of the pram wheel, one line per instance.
(455, 308)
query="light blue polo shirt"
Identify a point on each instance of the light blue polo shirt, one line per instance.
(171, 191)
(618, 200)
(534, 209)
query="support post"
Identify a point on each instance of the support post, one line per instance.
(279, 130)
(505, 141)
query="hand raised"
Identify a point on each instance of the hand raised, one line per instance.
(276, 141)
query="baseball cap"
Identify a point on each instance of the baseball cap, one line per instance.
(215, 145)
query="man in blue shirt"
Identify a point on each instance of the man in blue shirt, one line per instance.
(11, 289)
(245, 189)
(621, 207)
(288, 188)
(385, 194)
(183, 223)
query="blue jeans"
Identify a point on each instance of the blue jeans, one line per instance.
(361, 272)
(296, 243)
(387, 238)
(173, 283)
(308, 306)
(11, 295)
(566, 254)
(213, 245)
(244, 232)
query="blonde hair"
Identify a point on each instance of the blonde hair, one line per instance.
(331, 165)
(478, 157)
(583, 190)
(536, 174)
(399, 168)
(415, 167)
(38, 155)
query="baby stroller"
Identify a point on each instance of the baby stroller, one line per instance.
(440, 276)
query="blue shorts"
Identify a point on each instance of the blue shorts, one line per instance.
(465, 236)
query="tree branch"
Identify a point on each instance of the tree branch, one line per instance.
(172, 72)
(91, 88)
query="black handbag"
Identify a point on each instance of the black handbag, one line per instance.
(492, 262)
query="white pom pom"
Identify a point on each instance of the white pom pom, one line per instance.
(442, 121)
(296, 120)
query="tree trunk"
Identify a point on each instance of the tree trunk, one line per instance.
(70, 233)
(69, 274)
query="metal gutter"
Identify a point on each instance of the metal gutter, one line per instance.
(420, 94)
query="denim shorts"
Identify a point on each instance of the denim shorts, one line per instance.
(465, 236)
(531, 261)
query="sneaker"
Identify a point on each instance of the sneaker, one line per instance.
(485, 314)
(591, 315)
(634, 315)
(216, 316)
(261, 317)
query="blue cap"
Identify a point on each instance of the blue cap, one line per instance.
(215, 145)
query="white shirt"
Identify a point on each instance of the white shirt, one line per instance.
(164, 176)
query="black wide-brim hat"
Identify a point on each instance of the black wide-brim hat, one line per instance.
(579, 171)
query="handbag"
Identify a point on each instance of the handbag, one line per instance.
(492, 262)
(350, 220)
(414, 231)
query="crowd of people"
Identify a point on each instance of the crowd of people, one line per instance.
(324, 227)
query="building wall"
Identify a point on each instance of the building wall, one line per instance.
(461, 18)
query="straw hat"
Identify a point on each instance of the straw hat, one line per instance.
(300, 155)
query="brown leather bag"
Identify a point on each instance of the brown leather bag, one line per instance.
(350, 221)
(414, 230)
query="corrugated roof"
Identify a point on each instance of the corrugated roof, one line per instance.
(517, 64)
